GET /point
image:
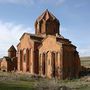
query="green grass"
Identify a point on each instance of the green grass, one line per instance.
(30, 85)
(16, 85)
(14, 81)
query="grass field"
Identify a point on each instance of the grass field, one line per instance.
(16, 85)
(14, 81)
(17, 81)
(85, 61)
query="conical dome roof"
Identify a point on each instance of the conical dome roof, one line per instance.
(12, 48)
(46, 15)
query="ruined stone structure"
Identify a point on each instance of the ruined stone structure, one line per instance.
(47, 53)
(9, 63)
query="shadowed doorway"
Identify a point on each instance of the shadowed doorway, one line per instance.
(53, 64)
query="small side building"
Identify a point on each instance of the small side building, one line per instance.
(9, 63)
(6, 64)
(0, 62)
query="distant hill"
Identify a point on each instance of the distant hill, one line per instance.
(84, 58)
(85, 61)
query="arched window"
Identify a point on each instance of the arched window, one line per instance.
(24, 53)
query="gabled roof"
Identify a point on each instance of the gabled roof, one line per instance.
(46, 15)
(61, 38)
(18, 44)
(12, 48)
(1, 59)
(32, 35)
(46, 38)
(7, 58)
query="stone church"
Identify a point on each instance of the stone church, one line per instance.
(47, 53)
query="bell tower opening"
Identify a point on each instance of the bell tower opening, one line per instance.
(47, 24)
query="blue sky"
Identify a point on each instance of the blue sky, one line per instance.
(18, 16)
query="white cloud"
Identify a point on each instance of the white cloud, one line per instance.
(32, 2)
(10, 34)
(60, 2)
(25, 2)
(54, 2)
(84, 51)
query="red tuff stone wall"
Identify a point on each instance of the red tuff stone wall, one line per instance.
(49, 27)
(71, 62)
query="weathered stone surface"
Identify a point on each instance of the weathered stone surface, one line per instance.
(47, 53)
